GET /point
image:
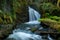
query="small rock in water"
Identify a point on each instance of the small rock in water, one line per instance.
(28, 28)
(40, 28)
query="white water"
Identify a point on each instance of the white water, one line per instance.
(22, 35)
(34, 16)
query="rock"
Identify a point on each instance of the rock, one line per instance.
(6, 30)
(22, 11)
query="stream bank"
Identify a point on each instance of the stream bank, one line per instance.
(5, 30)
(54, 33)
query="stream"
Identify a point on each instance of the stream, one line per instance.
(26, 30)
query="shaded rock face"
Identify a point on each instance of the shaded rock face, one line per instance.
(22, 12)
(22, 16)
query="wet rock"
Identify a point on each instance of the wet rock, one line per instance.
(55, 36)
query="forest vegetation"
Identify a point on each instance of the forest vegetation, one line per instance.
(16, 11)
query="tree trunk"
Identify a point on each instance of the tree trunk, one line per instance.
(58, 3)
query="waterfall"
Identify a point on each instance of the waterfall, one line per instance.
(23, 32)
(23, 35)
(34, 16)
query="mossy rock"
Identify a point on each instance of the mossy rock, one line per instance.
(51, 23)
(33, 29)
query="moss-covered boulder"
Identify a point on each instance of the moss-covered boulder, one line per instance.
(51, 23)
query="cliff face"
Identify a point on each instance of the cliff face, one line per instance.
(21, 10)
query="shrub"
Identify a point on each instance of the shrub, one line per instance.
(55, 18)
(50, 8)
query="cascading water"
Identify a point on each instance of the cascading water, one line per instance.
(24, 36)
(33, 16)
(22, 33)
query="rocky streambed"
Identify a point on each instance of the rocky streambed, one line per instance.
(44, 32)
(40, 29)
(54, 33)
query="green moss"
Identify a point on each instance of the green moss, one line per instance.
(59, 30)
(55, 18)
(33, 29)
(47, 20)
(11, 20)
(52, 22)
(1, 20)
